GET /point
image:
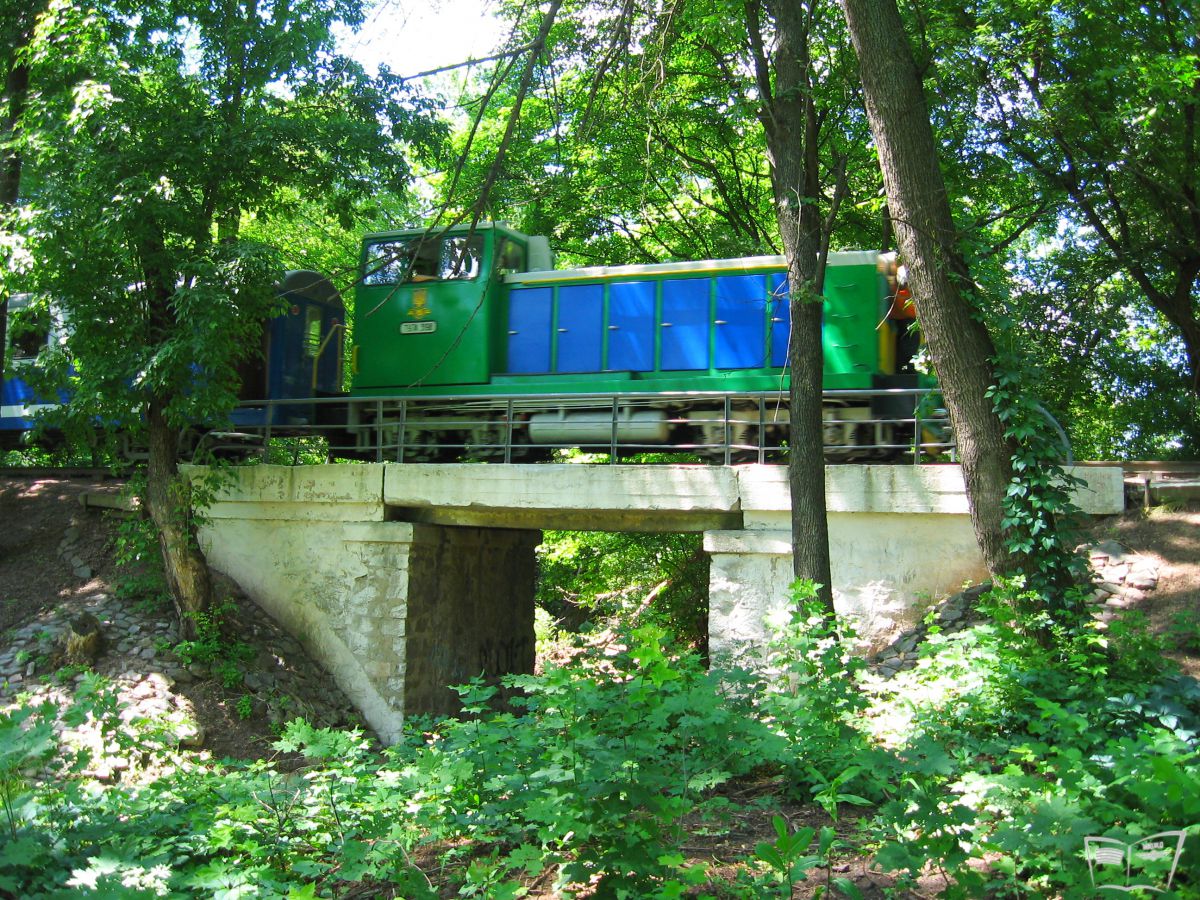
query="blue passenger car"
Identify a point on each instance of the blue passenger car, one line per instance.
(29, 331)
(300, 357)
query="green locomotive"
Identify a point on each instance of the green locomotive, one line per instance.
(470, 338)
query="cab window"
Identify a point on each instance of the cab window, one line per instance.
(511, 257)
(416, 259)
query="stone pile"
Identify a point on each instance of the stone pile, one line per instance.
(953, 614)
(138, 656)
(1121, 580)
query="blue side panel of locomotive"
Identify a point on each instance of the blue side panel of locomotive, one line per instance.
(580, 328)
(529, 323)
(631, 326)
(685, 316)
(740, 331)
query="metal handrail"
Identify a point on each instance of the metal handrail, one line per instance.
(491, 423)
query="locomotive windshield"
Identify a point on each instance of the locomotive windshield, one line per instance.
(424, 258)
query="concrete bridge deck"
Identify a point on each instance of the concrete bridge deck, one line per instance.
(404, 579)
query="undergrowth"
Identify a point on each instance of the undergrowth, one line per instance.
(990, 762)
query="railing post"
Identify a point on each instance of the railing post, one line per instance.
(762, 429)
(917, 432)
(728, 452)
(378, 431)
(403, 430)
(612, 445)
(508, 431)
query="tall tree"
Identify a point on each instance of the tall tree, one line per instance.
(17, 18)
(1102, 104)
(959, 344)
(791, 119)
(663, 135)
(169, 123)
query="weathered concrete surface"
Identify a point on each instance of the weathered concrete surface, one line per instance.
(396, 612)
(900, 538)
(571, 497)
(345, 493)
(934, 489)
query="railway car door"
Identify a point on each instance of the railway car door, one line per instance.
(739, 330)
(685, 323)
(530, 311)
(631, 326)
(580, 328)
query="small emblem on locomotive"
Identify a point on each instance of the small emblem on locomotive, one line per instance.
(420, 305)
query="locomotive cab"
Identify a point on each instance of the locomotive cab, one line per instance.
(429, 306)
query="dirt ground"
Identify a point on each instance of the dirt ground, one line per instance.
(1170, 536)
(35, 516)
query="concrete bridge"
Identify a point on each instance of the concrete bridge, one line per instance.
(405, 579)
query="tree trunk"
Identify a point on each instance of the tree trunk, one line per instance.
(959, 344)
(168, 503)
(168, 497)
(790, 122)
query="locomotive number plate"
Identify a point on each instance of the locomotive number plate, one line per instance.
(418, 327)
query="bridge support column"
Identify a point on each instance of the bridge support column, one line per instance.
(395, 611)
(887, 567)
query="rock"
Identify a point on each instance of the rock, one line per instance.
(1108, 587)
(1114, 574)
(190, 734)
(1114, 551)
(161, 681)
(904, 645)
(82, 572)
(1142, 581)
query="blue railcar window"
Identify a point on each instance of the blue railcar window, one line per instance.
(631, 326)
(529, 313)
(781, 319)
(312, 330)
(580, 328)
(740, 326)
(685, 318)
